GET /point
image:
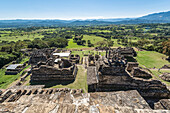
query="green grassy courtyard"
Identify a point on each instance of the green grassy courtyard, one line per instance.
(80, 81)
(151, 59)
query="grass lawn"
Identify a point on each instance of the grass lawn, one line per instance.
(72, 45)
(93, 39)
(79, 83)
(5, 35)
(24, 37)
(151, 59)
(156, 75)
(6, 80)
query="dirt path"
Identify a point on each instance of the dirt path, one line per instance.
(18, 80)
(26, 82)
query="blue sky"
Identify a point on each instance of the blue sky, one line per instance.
(79, 9)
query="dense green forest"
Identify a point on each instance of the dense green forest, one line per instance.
(152, 37)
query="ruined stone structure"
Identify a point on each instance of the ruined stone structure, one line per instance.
(62, 71)
(166, 66)
(101, 48)
(113, 73)
(47, 100)
(47, 67)
(128, 51)
(162, 104)
(140, 73)
(165, 76)
(93, 59)
(131, 65)
(74, 59)
(14, 69)
(40, 55)
(125, 52)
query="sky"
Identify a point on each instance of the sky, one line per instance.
(79, 9)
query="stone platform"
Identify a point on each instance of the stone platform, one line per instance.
(73, 101)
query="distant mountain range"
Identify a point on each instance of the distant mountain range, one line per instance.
(162, 17)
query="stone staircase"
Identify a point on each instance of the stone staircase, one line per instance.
(73, 101)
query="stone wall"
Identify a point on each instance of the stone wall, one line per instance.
(111, 77)
(74, 58)
(115, 71)
(147, 88)
(165, 76)
(92, 59)
(126, 52)
(51, 73)
(166, 66)
(140, 73)
(162, 104)
(130, 66)
(37, 56)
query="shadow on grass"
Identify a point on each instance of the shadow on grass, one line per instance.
(168, 59)
(52, 83)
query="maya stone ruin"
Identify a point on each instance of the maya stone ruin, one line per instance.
(46, 67)
(115, 85)
(113, 72)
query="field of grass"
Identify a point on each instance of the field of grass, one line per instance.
(94, 39)
(5, 35)
(156, 75)
(6, 80)
(72, 45)
(16, 38)
(151, 59)
(79, 83)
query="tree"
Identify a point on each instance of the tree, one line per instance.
(89, 43)
(118, 41)
(109, 43)
(101, 43)
(166, 47)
